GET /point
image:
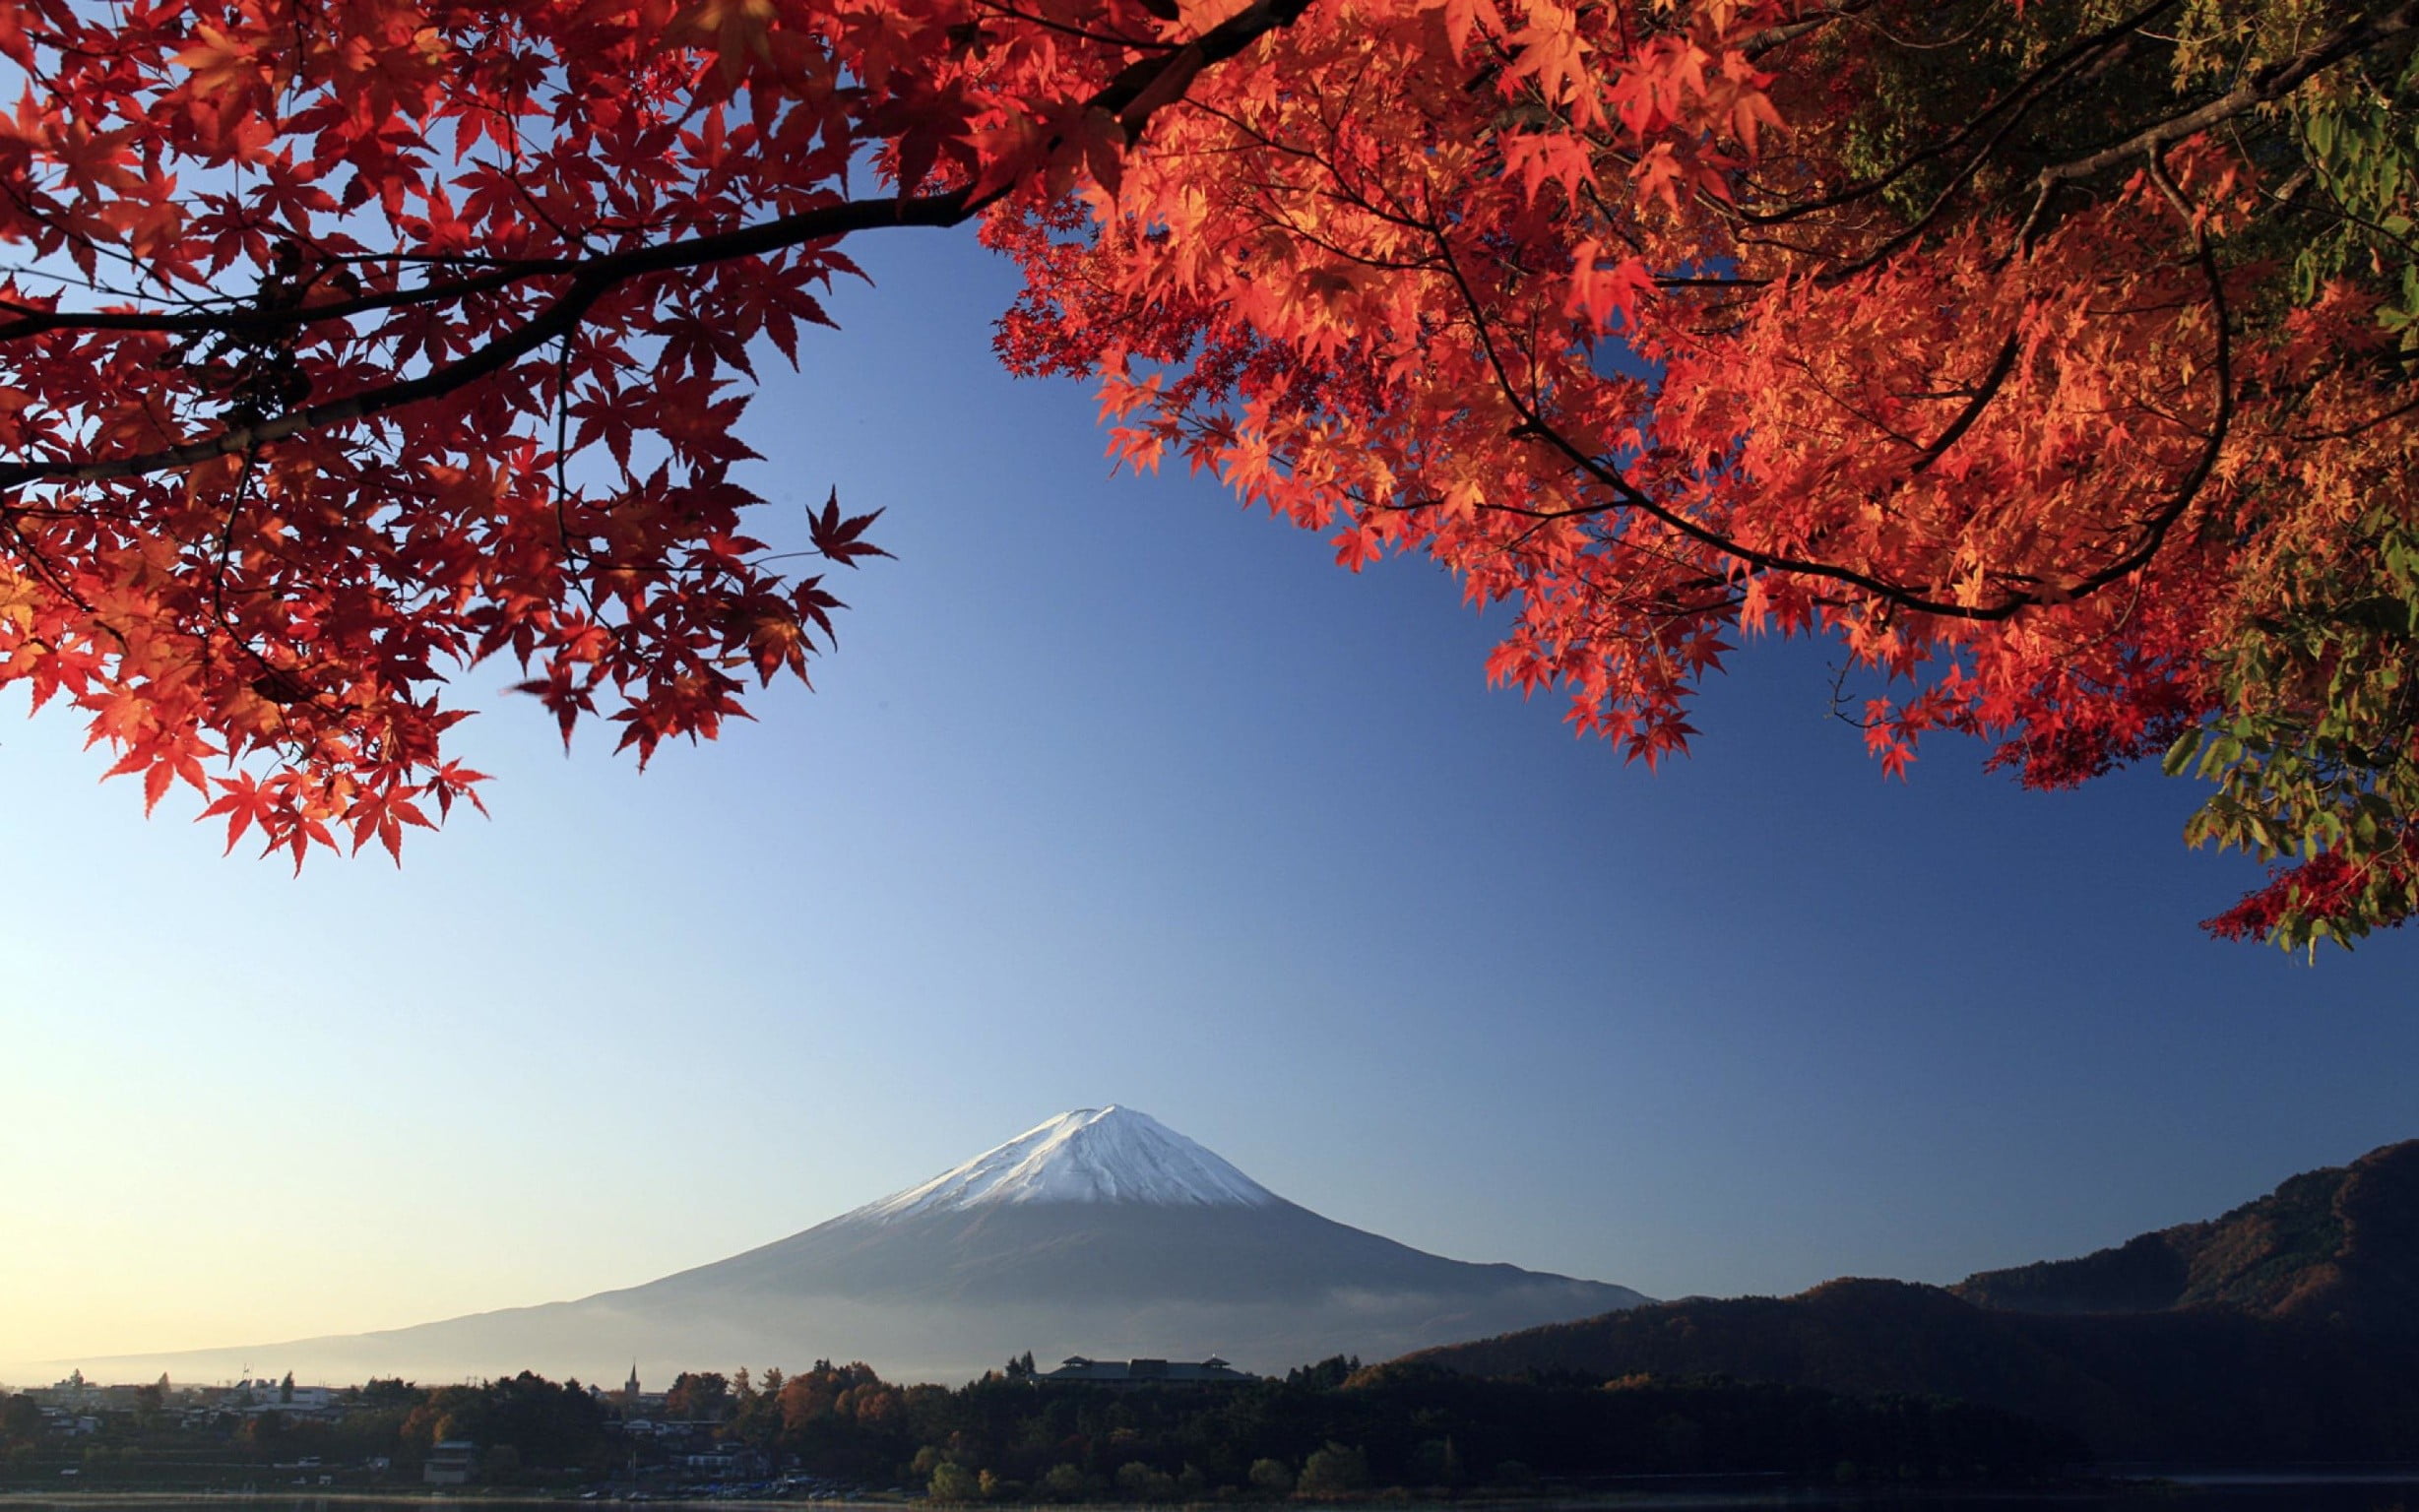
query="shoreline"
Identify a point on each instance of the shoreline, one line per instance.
(1650, 1493)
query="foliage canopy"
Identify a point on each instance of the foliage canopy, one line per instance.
(2053, 358)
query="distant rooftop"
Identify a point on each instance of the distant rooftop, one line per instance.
(1078, 1369)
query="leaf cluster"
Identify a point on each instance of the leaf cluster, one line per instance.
(2017, 367)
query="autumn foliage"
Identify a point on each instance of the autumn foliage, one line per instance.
(2054, 359)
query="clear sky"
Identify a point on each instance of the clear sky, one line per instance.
(1116, 794)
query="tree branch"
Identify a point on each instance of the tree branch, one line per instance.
(2272, 83)
(1133, 96)
(1629, 495)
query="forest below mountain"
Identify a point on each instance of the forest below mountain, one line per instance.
(1332, 1429)
(2287, 1329)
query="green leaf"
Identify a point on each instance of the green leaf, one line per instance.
(2179, 758)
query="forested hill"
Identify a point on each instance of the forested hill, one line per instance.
(2339, 1244)
(2282, 1331)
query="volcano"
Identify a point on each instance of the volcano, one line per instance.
(1101, 1231)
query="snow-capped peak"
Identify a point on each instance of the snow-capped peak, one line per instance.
(1092, 1155)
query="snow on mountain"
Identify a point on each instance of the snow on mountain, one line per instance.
(1107, 1153)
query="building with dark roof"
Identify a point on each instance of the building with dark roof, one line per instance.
(1078, 1370)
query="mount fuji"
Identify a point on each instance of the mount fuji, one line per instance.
(1101, 1231)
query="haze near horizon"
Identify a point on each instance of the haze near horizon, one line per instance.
(1099, 1231)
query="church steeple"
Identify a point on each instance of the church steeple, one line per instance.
(629, 1393)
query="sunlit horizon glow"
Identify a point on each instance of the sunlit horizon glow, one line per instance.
(1115, 794)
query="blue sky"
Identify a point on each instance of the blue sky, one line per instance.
(1118, 794)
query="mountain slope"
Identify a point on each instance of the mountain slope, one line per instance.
(1101, 1231)
(2280, 1330)
(2339, 1244)
(2197, 1386)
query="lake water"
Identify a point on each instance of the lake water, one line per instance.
(2376, 1491)
(2379, 1492)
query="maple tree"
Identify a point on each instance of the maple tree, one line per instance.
(2052, 356)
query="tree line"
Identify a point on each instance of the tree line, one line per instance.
(1328, 1431)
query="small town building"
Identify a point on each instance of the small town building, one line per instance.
(726, 1462)
(1080, 1371)
(450, 1462)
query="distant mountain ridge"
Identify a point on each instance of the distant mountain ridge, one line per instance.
(2338, 1246)
(1099, 1232)
(2280, 1330)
